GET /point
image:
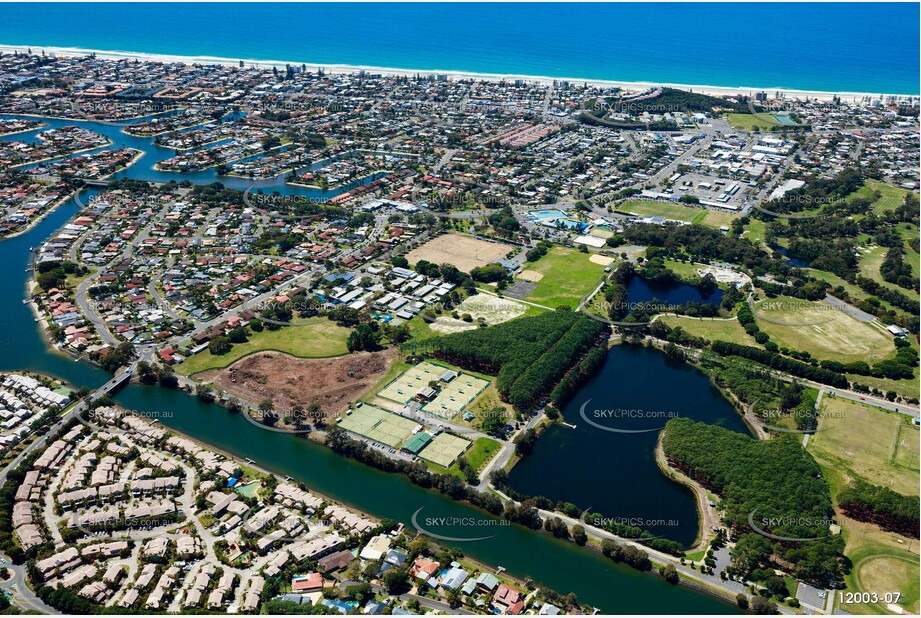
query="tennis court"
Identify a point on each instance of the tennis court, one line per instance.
(410, 382)
(456, 395)
(379, 425)
(444, 449)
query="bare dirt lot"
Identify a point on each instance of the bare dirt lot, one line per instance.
(289, 381)
(464, 252)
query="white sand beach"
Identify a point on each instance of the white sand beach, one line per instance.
(347, 68)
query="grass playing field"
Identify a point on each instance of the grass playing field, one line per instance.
(881, 563)
(309, 338)
(823, 331)
(747, 122)
(567, 276)
(724, 330)
(484, 449)
(669, 210)
(857, 439)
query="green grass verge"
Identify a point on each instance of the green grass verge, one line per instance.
(309, 338)
(482, 451)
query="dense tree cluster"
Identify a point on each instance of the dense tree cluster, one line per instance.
(113, 358)
(781, 363)
(528, 355)
(887, 509)
(774, 482)
(54, 274)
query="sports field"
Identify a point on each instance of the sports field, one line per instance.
(566, 275)
(855, 439)
(881, 561)
(748, 122)
(464, 252)
(669, 210)
(724, 330)
(444, 449)
(453, 397)
(858, 439)
(407, 385)
(456, 395)
(492, 309)
(378, 425)
(822, 330)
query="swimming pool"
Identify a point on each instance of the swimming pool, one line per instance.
(543, 215)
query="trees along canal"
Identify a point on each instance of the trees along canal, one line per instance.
(558, 564)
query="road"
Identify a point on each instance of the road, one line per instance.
(22, 596)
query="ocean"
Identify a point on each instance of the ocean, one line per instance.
(856, 47)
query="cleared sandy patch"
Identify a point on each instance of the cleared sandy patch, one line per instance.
(530, 275)
(289, 381)
(493, 310)
(604, 260)
(464, 252)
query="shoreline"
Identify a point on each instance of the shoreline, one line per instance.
(335, 68)
(705, 513)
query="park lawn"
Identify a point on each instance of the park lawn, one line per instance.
(912, 259)
(718, 218)
(853, 291)
(669, 210)
(309, 338)
(880, 564)
(822, 330)
(869, 264)
(754, 231)
(891, 197)
(683, 269)
(860, 440)
(482, 451)
(568, 275)
(73, 281)
(747, 122)
(905, 388)
(712, 330)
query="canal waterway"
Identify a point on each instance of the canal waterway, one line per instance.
(558, 564)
